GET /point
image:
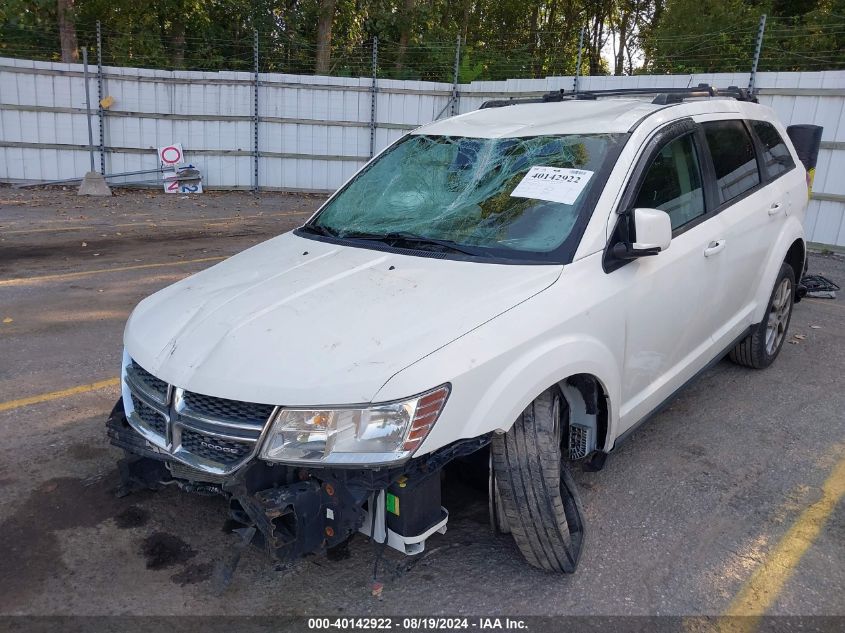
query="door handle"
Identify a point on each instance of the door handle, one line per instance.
(714, 247)
(775, 208)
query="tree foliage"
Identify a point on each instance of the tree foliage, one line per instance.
(417, 38)
(720, 36)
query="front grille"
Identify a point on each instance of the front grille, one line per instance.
(179, 470)
(145, 381)
(228, 410)
(207, 434)
(215, 449)
(150, 416)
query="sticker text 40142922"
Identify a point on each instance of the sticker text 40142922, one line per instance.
(555, 184)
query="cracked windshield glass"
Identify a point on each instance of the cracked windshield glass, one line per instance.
(520, 194)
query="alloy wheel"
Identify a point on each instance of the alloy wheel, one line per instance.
(778, 316)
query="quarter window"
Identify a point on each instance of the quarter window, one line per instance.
(733, 158)
(776, 155)
(673, 183)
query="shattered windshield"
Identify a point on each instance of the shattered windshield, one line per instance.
(519, 194)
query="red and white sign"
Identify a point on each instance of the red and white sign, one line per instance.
(171, 155)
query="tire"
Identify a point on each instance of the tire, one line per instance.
(760, 348)
(538, 496)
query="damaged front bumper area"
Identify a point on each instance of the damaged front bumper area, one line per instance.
(299, 510)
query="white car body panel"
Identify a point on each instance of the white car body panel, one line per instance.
(329, 327)
(337, 326)
(536, 119)
(553, 335)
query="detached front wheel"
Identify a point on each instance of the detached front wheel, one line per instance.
(538, 498)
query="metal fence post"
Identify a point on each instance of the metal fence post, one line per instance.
(101, 113)
(578, 63)
(453, 110)
(255, 112)
(752, 80)
(88, 106)
(373, 91)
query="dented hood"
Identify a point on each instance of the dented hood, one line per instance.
(295, 321)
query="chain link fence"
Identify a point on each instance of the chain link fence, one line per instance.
(789, 44)
(252, 113)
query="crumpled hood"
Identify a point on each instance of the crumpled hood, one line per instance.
(295, 321)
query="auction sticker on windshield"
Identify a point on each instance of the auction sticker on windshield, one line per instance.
(555, 184)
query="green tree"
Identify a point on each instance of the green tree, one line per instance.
(501, 39)
(720, 35)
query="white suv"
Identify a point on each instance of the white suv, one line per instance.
(533, 279)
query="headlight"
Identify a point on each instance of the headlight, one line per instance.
(378, 434)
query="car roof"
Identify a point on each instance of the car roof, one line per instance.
(573, 116)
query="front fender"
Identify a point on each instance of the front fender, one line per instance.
(491, 386)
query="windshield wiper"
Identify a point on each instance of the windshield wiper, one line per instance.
(318, 229)
(409, 240)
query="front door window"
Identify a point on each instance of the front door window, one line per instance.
(673, 183)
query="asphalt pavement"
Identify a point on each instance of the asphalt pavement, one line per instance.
(725, 502)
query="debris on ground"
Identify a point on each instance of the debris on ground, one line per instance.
(224, 570)
(797, 338)
(819, 287)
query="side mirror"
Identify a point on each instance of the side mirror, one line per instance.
(653, 230)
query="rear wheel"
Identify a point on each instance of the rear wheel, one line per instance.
(760, 348)
(538, 498)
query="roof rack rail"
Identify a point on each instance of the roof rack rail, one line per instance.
(663, 96)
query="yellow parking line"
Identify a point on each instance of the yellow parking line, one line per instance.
(55, 395)
(23, 281)
(766, 583)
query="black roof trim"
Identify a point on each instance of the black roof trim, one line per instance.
(663, 96)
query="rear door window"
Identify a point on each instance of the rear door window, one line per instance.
(733, 158)
(776, 156)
